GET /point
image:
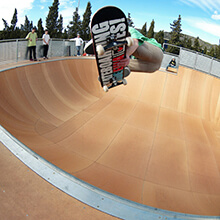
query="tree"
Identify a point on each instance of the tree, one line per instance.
(205, 50)
(189, 44)
(85, 23)
(144, 29)
(129, 20)
(40, 28)
(75, 25)
(51, 20)
(26, 28)
(5, 33)
(60, 27)
(218, 51)
(196, 46)
(160, 37)
(212, 52)
(175, 35)
(14, 20)
(150, 33)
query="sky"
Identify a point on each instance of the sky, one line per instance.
(200, 18)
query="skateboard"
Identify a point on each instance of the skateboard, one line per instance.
(109, 30)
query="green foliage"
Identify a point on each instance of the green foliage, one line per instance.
(85, 30)
(160, 37)
(150, 33)
(14, 20)
(196, 46)
(175, 36)
(40, 29)
(51, 20)
(144, 29)
(60, 27)
(75, 25)
(129, 20)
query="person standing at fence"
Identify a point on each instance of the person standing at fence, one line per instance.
(32, 39)
(79, 42)
(46, 41)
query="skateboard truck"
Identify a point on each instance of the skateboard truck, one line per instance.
(113, 44)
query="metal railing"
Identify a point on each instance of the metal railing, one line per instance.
(194, 60)
(16, 49)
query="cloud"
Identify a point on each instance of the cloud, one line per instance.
(216, 16)
(206, 25)
(206, 5)
(7, 10)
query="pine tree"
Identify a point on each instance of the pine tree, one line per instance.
(51, 20)
(150, 33)
(189, 44)
(160, 37)
(175, 35)
(5, 33)
(14, 20)
(196, 46)
(218, 51)
(60, 27)
(205, 50)
(144, 29)
(75, 25)
(129, 20)
(212, 52)
(85, 23)
(6, 28)
(40, 28)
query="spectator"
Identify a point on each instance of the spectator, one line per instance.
(172, 64)
(46, 40)
(32, 38)
(79, 42)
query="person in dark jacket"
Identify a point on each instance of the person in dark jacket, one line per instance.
(172, 64)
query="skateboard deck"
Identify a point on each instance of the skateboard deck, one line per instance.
(109, 30)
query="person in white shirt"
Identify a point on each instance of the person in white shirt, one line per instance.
(79, 42)
(46, 41)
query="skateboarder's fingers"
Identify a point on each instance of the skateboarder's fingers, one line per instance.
(124, 62)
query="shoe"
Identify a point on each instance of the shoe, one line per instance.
(31, 59)
(127, 71)
(35, 59)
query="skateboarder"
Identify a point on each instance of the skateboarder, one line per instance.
(148, 53)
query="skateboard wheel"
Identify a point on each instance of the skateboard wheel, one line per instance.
(124, 81)
(100, 50)
(130, 41)
(105, 88)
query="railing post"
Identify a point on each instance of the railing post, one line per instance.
(51, 47)
(16, 50)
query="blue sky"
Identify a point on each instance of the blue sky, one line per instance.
(199, 17)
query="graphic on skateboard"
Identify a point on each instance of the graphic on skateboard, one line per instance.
(109, 31)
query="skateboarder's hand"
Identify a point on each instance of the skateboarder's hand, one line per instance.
(124, 62)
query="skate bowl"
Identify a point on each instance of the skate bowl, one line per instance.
(153, 145)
